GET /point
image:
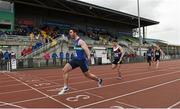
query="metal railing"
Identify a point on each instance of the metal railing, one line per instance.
(42, 49)
(37, 63)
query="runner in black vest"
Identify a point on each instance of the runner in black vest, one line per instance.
(118, 55)
(157, 55)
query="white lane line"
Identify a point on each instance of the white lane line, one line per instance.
(94, 95)
(134, 70)
(9, 104)
(172, 106)
(106, 78)
(76, 83)
(132, 106)
(40, 92)
(123, 69)
(29, 89)
(131, 93)
(128, 75)
(131, 81)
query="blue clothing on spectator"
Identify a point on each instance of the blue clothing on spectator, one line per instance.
(67, 55)
(72, 56)
(61, 55)
(54, 56)
(6, 55)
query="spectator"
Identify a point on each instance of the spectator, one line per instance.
(13, 55)
(67, 57)
(47, 57)
(72, 56)
(6, 57)
(32, 37)
(29, 50)
(54, 57)
(23, 53)
(61, 55)
(1, 59)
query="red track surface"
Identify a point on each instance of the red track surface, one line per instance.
(140, 88)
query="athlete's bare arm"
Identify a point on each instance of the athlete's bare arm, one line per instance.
(123, 52)
(85, 48)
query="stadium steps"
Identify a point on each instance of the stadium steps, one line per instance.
(47, 47)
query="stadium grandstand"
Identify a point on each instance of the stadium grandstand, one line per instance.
(35, 28)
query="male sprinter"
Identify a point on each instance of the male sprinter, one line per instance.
(118, 55)
(80, 60)
(158, 53)
(149, 56)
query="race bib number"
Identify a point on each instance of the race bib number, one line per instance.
(116, 55)
(157, 53)
(148, 54)
(75, 54)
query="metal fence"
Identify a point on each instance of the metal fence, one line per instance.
(37, 63)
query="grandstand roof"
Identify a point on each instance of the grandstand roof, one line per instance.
(90, 10)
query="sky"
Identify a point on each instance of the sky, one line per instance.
(167, 12)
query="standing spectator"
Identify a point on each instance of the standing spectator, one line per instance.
(72, 56)
(24, 52)
(67, 57)
(13, 55)
(47, 57)
(6, 57)
(32, 37)
(54, 57)
(61, 57)
(29, 50)
(1, 59)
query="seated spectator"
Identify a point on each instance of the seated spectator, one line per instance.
(33, 48)
(29, 50)
(23, 52)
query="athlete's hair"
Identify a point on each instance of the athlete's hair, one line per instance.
(74, 29)
(114, 40)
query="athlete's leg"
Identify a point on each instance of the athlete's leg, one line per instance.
(85, 69)
(114, 66)
(119, 72)
(149, 62)
(67, 68)
(157, 64)
(93, 77)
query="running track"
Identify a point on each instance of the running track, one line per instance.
(140, 88)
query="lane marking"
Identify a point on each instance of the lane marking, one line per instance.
(77, 98)
(94, 95)
(131, 81)
(40, 92)
(106, 78)
(116, 107)
(131, 93)
(91, 88)
(12, 105)
(128, 75)
(128, 105)
(177, 103)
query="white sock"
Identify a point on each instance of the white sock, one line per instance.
(65, 86)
